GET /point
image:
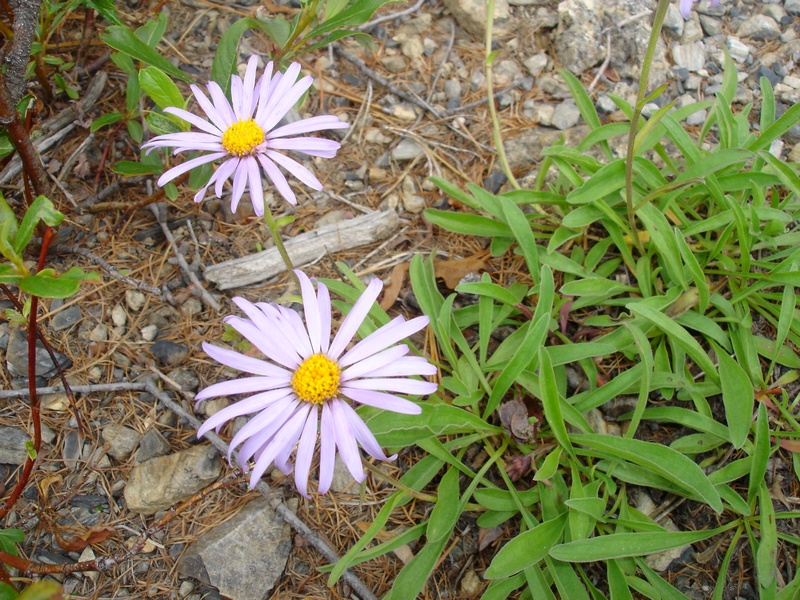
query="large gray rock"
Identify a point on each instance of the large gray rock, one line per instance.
(759, 27)
(578, 40)
(471, 15)
(161, 482)
(243, 557)
(629, 44)
(17, 357)
(12, 446)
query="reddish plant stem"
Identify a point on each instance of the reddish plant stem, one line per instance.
(103, 564)
(31, 162)
(111, 139)
(27, 469)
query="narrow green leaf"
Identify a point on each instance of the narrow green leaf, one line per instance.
(227, 53)
(767, 555)
(523, 233)
(526, 549)
(491, 290)
(467, 224)
(121, 38)
(663, 238)
(617, 586)
(106, 119)
(549, 466)
(607, 180)
(737, 396)
(660, 460)
(621, 545)
(761, 452)
(678, 334)
(41, 209)
(551, 401)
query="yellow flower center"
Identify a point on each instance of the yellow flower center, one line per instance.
(241, 138)
(316, 379)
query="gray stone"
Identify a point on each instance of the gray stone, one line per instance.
(71, 450)
(149, 332)
(674, 22)
(135, 300)
(404, 112)
(244, 557)
(17, 357)
(692, 31)
(151, 445)
(577, 39)
(792, 7)
(394, 64)
(186, 379)
(535, 64)
(566, 115)
(169, 353)
(64, 319)
(794, 154)
(775, 11)
(759, 27)
(605, 104)
(452, 88)
(407, 149)
(121, 440)
(543, 114)
(412, 201)
(12, 446)
(739, 51)
(697, 118)
(191, 307)
(689, 56)
(711, 25)
(471, 15)
(506, 72)
(161, 482)
(330, 218)
(118, 316)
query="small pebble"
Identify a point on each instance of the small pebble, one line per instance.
(118, 316)
(149, 332)
(135, 300)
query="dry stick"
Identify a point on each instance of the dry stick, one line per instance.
(162, 221)
(111, 270)
(276, 503)
(26, 17)
(392, 16)
(122, 386)
(130, 207)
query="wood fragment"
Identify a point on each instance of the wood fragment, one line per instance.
(304, 248)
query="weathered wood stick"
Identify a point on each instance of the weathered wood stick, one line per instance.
(352, 233)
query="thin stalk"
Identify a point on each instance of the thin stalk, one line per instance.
(658, 22)
(496, 137)
(275, 232)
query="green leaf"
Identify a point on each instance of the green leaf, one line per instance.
(41, 209)
(7, 592)
(737, 396)
(106, 8)
(491, 290)
(621, 545)
(607, 180)
(356, 13)
(227, 53)
(161, 88)
(46, 284)
(467, 224)
(106, 119)
(523, 233)
(396, 430)
(121, 38)
(42, 590)
(767, 554)
(660, 460)
(526, 549)
(549, 466)
(551, 401)
(135, 130)
(663, 238)
(761, 452)
(131, 168)
(617, 586)
(678, 334)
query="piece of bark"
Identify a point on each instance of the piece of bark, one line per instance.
(304, 248)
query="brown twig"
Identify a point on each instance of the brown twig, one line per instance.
(131, 207)
(31, 162)
(198, 286)
(111, 270)
(26, 17)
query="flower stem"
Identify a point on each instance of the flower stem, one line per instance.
(658, 22)
(275, 232)
(498, 140)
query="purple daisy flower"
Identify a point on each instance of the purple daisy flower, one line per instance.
(306, 390)
(686, 6)
(240, 133)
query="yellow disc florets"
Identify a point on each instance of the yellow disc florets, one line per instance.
(242, 138)
(316, 379)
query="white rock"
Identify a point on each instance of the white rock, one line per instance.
(739, 51)
(535, 64)
(689, 56)
(118, 316)
(135, 300)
